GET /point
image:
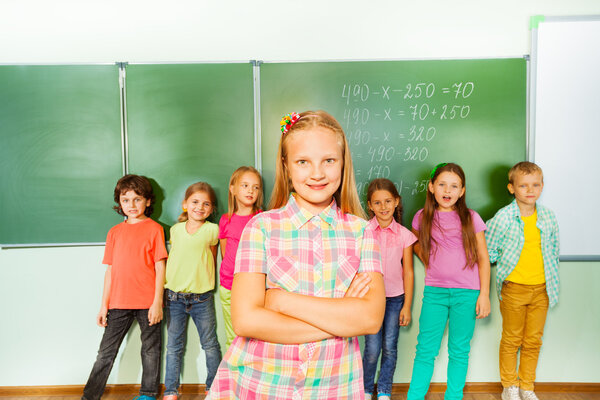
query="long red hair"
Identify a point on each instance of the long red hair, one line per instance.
(428, 220)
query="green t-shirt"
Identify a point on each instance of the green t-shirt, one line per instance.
(191, 266)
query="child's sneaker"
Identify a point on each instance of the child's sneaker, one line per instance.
(170, 397)
(144, 397)
(528, 395)
(511, 393)
(383, 396)
(368, 396)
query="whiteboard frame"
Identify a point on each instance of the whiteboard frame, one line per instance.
(531, 138)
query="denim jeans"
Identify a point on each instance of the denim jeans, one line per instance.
(387, 337)
(118, 324)
(444, 306)
(201, 307)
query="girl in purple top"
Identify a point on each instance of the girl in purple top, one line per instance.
(396, 245)
(244, 201)
(457, 279)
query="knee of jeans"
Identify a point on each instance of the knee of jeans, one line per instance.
(390, 351)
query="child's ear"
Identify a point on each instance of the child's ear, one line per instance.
(148, 202)
(511, 188)
(430, 187)
(462, 192)
(231, 190)
(397, 201)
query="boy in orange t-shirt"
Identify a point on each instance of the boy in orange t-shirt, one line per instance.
(133, 287)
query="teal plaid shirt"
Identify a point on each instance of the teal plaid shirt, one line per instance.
(505, 240)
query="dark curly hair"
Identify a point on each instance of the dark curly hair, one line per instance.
(140, 185)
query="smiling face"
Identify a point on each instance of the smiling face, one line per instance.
(314, 164)
(246, 190)
(133, 206)
(198, 206)
(527, 188)
(383, 204)
(447, 189)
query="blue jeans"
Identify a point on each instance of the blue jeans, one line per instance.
(456, 308)
(201, 307)
(118, 324)
(388, 334)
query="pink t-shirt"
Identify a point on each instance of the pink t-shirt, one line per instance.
(447, 261)
(392, 241)
(230, 229)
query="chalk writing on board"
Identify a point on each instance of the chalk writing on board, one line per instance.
(391, 125)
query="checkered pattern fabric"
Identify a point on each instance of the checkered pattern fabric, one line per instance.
(505, 239)
(312, 255)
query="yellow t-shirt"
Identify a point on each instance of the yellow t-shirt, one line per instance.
(530, 268)
(191, 266)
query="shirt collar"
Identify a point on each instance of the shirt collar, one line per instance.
(300, 216)
(394, 226)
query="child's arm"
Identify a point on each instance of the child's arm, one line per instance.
(223, 243)
(214, 250)
(250, 318)
(101, 317)
(417, 247)
(408, 276)
(344, 317)
(155, 313)
(483, 301)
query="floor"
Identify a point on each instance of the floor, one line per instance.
(436, 396)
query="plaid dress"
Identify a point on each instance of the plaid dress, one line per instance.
(311, 255)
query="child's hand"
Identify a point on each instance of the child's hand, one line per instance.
(405, 316)
(359, 285)
(155, 314)
(101, 318)
(483, 307)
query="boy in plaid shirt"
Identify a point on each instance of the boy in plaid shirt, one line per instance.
(523, 239)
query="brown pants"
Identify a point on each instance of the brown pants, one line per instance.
(524, 309)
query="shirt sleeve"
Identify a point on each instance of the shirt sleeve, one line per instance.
(160, 250)
(478, 224)
(214, 234)
(370, 256)
(493, 238)
(223, 222)
(408, 238)
(108, 248)
(251, 254)
(416, 222)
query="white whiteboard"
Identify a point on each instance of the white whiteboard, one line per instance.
(565, 128)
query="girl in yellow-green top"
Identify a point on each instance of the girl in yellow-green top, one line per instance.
(190, 280)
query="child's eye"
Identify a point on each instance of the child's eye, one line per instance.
(301, 162)
(330, 160)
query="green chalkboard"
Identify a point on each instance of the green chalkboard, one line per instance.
(189, 123)
(61, 153)
(404, 117)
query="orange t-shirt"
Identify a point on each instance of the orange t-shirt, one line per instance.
(132, 250)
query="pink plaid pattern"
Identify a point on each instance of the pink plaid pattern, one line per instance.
(312, 255)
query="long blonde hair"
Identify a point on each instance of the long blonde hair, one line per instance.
(235, 177)
(346, 195)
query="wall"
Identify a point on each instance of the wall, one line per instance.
(51, 295)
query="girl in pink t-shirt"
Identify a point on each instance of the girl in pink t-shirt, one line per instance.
(244, 201)
(457, 279)
(396, 245)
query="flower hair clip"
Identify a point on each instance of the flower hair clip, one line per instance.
(288, 121)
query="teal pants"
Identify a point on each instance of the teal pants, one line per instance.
(441, 306)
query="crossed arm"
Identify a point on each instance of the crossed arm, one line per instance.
(279, 316)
